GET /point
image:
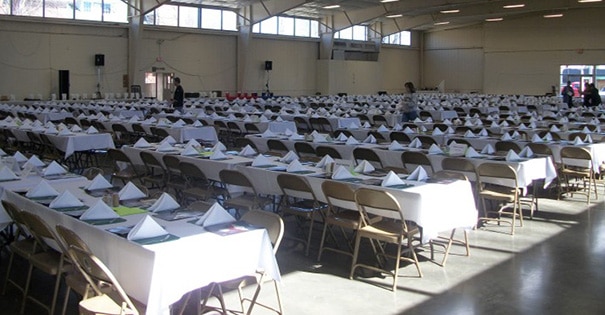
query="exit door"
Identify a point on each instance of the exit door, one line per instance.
(159, 85)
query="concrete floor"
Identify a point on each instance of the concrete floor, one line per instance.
(555, 264)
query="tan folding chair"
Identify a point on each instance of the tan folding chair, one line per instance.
(198, 186)
(413, 159)
(386, 231)
(174, 176)
(155, 172)
(505, 146)
(123, 168)
(246, 200)
(360, 154)
(577, 165)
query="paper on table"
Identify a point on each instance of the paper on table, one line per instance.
(164, 203)
(54, 169)
(131, 191)
(289, 157)
(295, 166)
(364, 167)
(169, 139)
(526, 152)
(164, 147)
(370, 139)
(488, 149)
(437, 132)
(91, 130)
(341, 172)
(419, 174)
(506, 137)
(382, 128)
(512, 156)
(99, 182)
(215, 215)
(472, 153)
(261, 160)
(141, 143)
(218, 155)
(146, 228)
(324, 161)
(189, 151)
(391, 179)
(7, 174)
(65, 200)
(395, 146)
(416, 143)
(434, 149)
(247, 151)
(351, 141)
(35, 161)
(98, 212)
(219, 146)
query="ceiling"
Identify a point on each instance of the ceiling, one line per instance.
(399, 15)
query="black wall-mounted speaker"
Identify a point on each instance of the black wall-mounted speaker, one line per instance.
(99, 60)
(268, 65)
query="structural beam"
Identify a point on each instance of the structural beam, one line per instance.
(264, 9)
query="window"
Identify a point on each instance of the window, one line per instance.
(269, 26)
(229, 20)
(402, 38)
(578, 75)
(89, 10)
(63, 9)
(302, 27)
(287, 26)
(115, 11)
(211, 19)
(189, 16)
(149, 18)
(356, 32)
(106, 8)
(167, 15)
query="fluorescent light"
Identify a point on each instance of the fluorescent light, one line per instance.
(514, 6)
(449, 11)
(442, 23)
(494, 19)
(334, 6)
(549, 16)
(588, 1)
(394, 16)
(387, 1)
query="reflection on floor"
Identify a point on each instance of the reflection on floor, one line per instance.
(554, 264)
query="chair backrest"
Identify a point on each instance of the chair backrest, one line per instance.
(119, 128)
(369, 155)
(232, 177)
(380, 120)
(460, 165)
(70, 238)
(400, 137)
(150, 160)
(505, 146)
(304, 148)
(416, 158)
(322, 151)
(39, 229)
(443, 174)
(138, 128)
(301, 124)
(241, 142)
(295, 186)
(251, 128)
(377, 202)
(277, 146)
(573, 135)
(339, 195)
(118, 156)
(172, 163)
(91, 172)
(15, 214)
(459, 141)
(193, 174)
(555, 136)
(95, 271)
(379, 137)
(345, 132)
(540, 148)
(426, 141)
(497, 173)
(573, 155)
(272, 222)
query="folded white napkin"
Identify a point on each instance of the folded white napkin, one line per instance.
(397, 127)
(516, 135)
(588, 138)
(54, 168)
(512, 156)
(408, 130)
(437, 132)
(289, 157)
(134, 119)
(470, 134)
(370, 139)
(197, 123)
(164, 147)
(578, 141)
(342, 137)
(189, 151)
(351, 141)
(35, 161)
(341, 172)
(39, 129)
(218, 155)
(170, 140)
(504, 124)
(215, 215)
(42, 189)
(506, 137)
(468, 123)
(295, 166)
(554, 128)
(219, 146)
(494, 124)
(163, 123)
(367, 125)
(522, 127)
(547, 137)
(419, 174)
(146, 228)
(7, 174)
(131, 191)
(261, 160)
(51, 130)
(488, 149)
(268, 134)
(536, 139)
(324, 161)
(141, 143)
(319, 138)
(91, 130)
(483, 133)
(395, 146)
(450, 130)
(353, 125)
(193, 143)
(76, 128)
(416, 143)
(471, 153)
(99, 182)
(247, 151)
(288, 132)
(382, 128)
(364, 167)
(263, 119)
(391, 179)
(434, 149)
(65, 200)
(417, 120)
(164, 203)
(65, 132)
(179, 123)
(526, 152)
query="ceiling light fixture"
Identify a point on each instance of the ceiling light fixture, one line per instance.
(588, 1)
(334, 6)
(394, 16)
(514, 6)
(442, 23)
(450, 11)
(494, 19)
(387, 1)
(550, 16)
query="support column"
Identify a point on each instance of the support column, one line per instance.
(135, 34)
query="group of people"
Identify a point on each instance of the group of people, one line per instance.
(590, 95)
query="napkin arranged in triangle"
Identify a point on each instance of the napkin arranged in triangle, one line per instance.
(164, 147)
(219, 146)
(469, 134)
(261, 160)
(193, 143)
(141, 143)
(512, 156)
(536, 139)
(397, 127)
(295, 166)
(146, 228)
(586, 130)
(76, 128)
(341, 172)
(247, 151)
(367, 125)
(382, 128)
(547, 137)
(288, 132)
(578, 141)
(352, 141)
(488, 149)
(263, 119)
(370, 139)
(506, 137)
(42, 189)
(554, 128)
(319, 138)
(342, 137)
(218, 155)
(268, 134)
(197, 123)
(19, 157)
(215, 215)
(189, 151)
(289, 157)
(99, 211)
(164, 203)
(468, 123)
(364, 167)
(419, 174)
(408, 130)
(91, 130)
(170, 140)
(395, 146)
(7, 174)
(588, 138)
(51, 130)
(35, 161)
(494, 124)
(131, 191)
(391, 179)
(65, 200)
(353, 125)
(54, 168)
(437, 132)
(99, 182)
(65, 132)
(472, 153)
(526, 153)
(416, 143)
(434, 149)
(324, 161)
(483, 133)
(179, 123)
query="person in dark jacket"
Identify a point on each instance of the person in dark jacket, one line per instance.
(179, 95)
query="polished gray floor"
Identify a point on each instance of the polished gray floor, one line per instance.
(555, 264)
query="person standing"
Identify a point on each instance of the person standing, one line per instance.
(595, 96)
(568, 93)
(179, 95)
(587, 94)
(408, 106)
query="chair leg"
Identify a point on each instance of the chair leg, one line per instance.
(26, 289)
(355, 255)
(8, 271)
(66, 299)
(321, 243)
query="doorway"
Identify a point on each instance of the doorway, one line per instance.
(158, 84)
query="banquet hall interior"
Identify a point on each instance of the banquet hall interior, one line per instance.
(289, 180)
